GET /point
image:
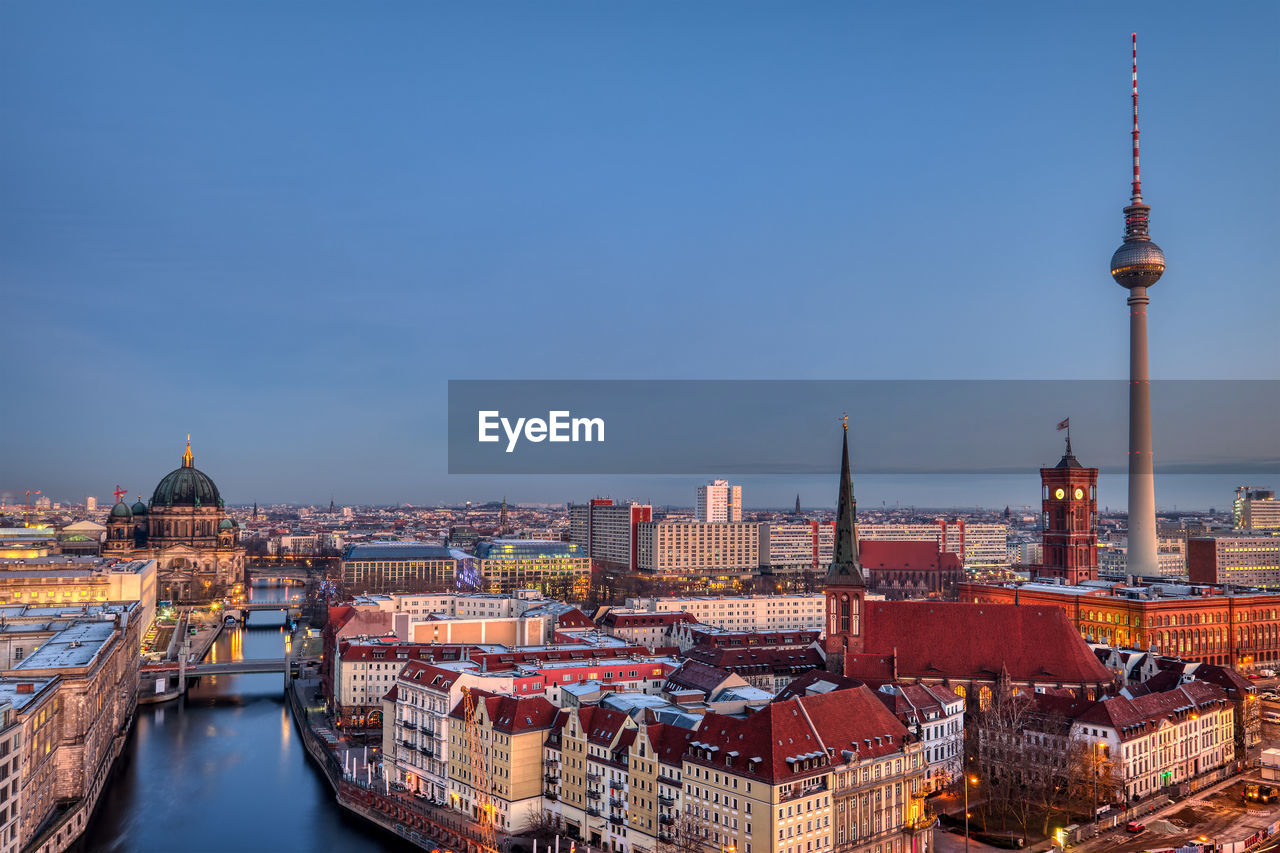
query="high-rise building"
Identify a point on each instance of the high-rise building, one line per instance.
(1256, 509)
(796, 546)
(91, 504)
(1135, 266)
(608, 531)
(719, 502)
(1069, 496)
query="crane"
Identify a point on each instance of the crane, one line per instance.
(479, 771)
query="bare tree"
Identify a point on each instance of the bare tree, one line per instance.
(541, 826)
(685, 835)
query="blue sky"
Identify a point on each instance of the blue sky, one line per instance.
(283, 227)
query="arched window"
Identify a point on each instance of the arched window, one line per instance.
(845, 619)
(984, 698)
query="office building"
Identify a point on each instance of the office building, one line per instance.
(718, 502)
(1237, 559)
(1256, 509)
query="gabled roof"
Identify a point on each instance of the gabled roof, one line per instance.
(1032, 643)
(602, 725)
(756, 661)
(512, 715)
(923, 556)
(694, 675)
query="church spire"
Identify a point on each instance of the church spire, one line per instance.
(188, 461)
(846, 568)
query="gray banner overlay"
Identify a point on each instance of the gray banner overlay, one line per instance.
(727, 427)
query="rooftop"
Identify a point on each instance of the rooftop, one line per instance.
(72, 648)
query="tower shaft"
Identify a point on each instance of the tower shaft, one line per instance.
(1141, 556)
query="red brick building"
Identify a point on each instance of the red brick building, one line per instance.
(909, 569)
(1240, 630)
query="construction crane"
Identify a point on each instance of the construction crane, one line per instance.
(479, 772)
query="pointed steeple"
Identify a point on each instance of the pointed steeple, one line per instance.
(188, 461)
(846, 568)
(797, 504)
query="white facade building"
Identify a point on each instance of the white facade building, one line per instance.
(743, 612)
(718, 501)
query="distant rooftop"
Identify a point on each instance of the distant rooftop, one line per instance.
(397, 551)
(75, 647)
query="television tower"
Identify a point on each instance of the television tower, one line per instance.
(1137, 265)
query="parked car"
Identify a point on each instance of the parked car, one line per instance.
(1267, 673)
(1134, 827)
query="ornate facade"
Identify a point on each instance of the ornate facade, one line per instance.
(187, 530)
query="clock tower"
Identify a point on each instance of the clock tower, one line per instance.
(1069, 526)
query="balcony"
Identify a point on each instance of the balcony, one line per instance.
(617, 819)
(667, 780)
(593, 811)
(408, 724)
(594, 777)
(408, 744)
(551, 762)
(664, 800)
(617, 802)
(552, 777)
(424, 749)
(550, 794)
(666, 836)
(666, 819)
(593, 795)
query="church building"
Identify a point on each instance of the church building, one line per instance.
(971, 649)
(186, 529)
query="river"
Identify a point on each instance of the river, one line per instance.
(223, 770)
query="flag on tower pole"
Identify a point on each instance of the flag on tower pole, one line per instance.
(1065, 423)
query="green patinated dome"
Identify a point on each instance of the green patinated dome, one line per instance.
(139, 508)
(186, 487)
(226, 524)
(121, 510)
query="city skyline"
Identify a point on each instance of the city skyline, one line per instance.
(318, 238)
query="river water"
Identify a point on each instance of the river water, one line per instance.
(223, 770)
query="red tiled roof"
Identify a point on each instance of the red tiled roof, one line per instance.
(756, 660)
(574, 618)
(510, 714)
(797, 738)
(601, 724)
(424, 674)
(923, 556)
(1033, 643)
(695, 675)
(613, 619)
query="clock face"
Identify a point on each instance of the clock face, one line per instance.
(1079, 493)
(1060, 494)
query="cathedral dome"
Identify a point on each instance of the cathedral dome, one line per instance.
(139, 508)
(186, 486)
(226, 524)
(121, 510)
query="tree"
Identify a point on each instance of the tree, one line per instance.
(685, 835)
(541, 826)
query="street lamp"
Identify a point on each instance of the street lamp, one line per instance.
(967, 780)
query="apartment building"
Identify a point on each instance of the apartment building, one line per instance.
(495, 756)
(695, 547)
(822, 772)
(608, 531)
(61, 581)
(936, 715)
(977, 545)
(1172, 739)
(793, 546)
(718, 502)
(743, 612)
(589, 762)
(365, 671)
(645, 627)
